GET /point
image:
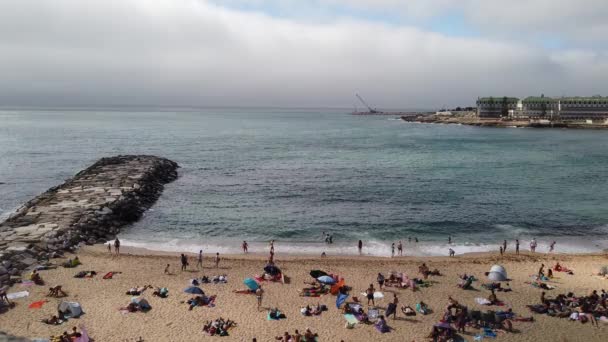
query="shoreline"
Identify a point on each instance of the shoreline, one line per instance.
(490, 122)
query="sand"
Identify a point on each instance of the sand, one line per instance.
(170, 320)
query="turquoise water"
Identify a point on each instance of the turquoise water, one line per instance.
(290, 175)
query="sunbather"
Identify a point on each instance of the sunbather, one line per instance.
(136, 291)
(161, 292)
(56, 292)
(54, 320)
(36, 278)
(408, 311)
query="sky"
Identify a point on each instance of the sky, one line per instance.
(307, 53)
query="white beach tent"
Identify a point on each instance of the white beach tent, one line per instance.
(70, 309)
(497, 273)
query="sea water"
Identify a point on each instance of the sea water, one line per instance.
(291, 175)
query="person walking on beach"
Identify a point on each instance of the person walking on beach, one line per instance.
(199, 262)
(117, 246)
(517, 246)
(360, 247)
(110, 247)
(217, 260)
(533, 245)
(500, 248)
(541, 271)
(272, 246)
(259, 294)
(395, 304)
(452, 253)
(551, 246)
(380, 279)
(393, 250)
(245, 247)
(504, 246)
(167, 269)
(400, 248)
(184, 262)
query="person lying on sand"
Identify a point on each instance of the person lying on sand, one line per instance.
(161, 292)
(56, 292)
(54, 320)
(408, 311)
(136, 291)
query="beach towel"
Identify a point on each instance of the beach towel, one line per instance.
(108, 275)
(482, 301)
(16, 295)
(27, 283)
(351, 319)
(84, 335)
(382, 327)
(37, 305)
(487, 332)
(420, 310)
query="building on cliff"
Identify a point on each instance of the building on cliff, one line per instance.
(594, 108)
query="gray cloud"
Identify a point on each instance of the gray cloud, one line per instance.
(192, 52)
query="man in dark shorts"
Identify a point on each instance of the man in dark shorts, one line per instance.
(360, 246)
(370, 294)
(117, 246)
(184, 262)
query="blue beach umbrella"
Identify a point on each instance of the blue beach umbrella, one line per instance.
(326, 280)
(194, 290)
(341, 299)
(251, 284)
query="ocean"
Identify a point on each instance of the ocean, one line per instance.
(293, 174)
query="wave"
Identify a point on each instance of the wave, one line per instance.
(370, 247)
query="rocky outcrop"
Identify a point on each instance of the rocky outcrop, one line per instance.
(91, 207)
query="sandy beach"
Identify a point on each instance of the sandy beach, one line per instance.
(170, 319)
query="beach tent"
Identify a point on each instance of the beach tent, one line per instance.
(326, 280)
(70, 309)
(317, 273)
(142, 302)
(251, 284)
(498, 273)
(194, 290)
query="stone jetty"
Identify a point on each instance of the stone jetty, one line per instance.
(91, 207)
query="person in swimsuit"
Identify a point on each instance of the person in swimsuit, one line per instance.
(400, 248)
(117, 246)
(217, 260)
(360, 246)
(370, 294)
(245, 247)
(259, 294)
(199, 262)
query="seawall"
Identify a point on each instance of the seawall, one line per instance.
(91, 207)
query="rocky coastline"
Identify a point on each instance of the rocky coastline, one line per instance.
(91, 207)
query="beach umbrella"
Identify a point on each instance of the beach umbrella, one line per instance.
(272, 270)
(194, 290)
(341, 299)
(326, 279)
(251, 284)
(317, 273)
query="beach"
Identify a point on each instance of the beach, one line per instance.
(170, 320)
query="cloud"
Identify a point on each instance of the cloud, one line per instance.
(194, 52)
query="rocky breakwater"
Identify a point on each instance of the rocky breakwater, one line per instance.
(91, 207)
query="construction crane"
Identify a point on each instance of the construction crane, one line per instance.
(371, 110)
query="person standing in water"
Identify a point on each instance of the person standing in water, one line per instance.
(393, 250)
(360, 247)
(450, 239)
(416, 239)
(533, 245)
(199, 262)
(452, 253)
(400, 248)
(517, 246)
(504, 246)
(551, 246)
(245, 247)
(117, 246)
(409, 239)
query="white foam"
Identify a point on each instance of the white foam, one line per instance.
(370, 248)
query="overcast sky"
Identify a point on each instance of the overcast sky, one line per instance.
(408, 53)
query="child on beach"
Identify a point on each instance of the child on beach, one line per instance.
(259, 294)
